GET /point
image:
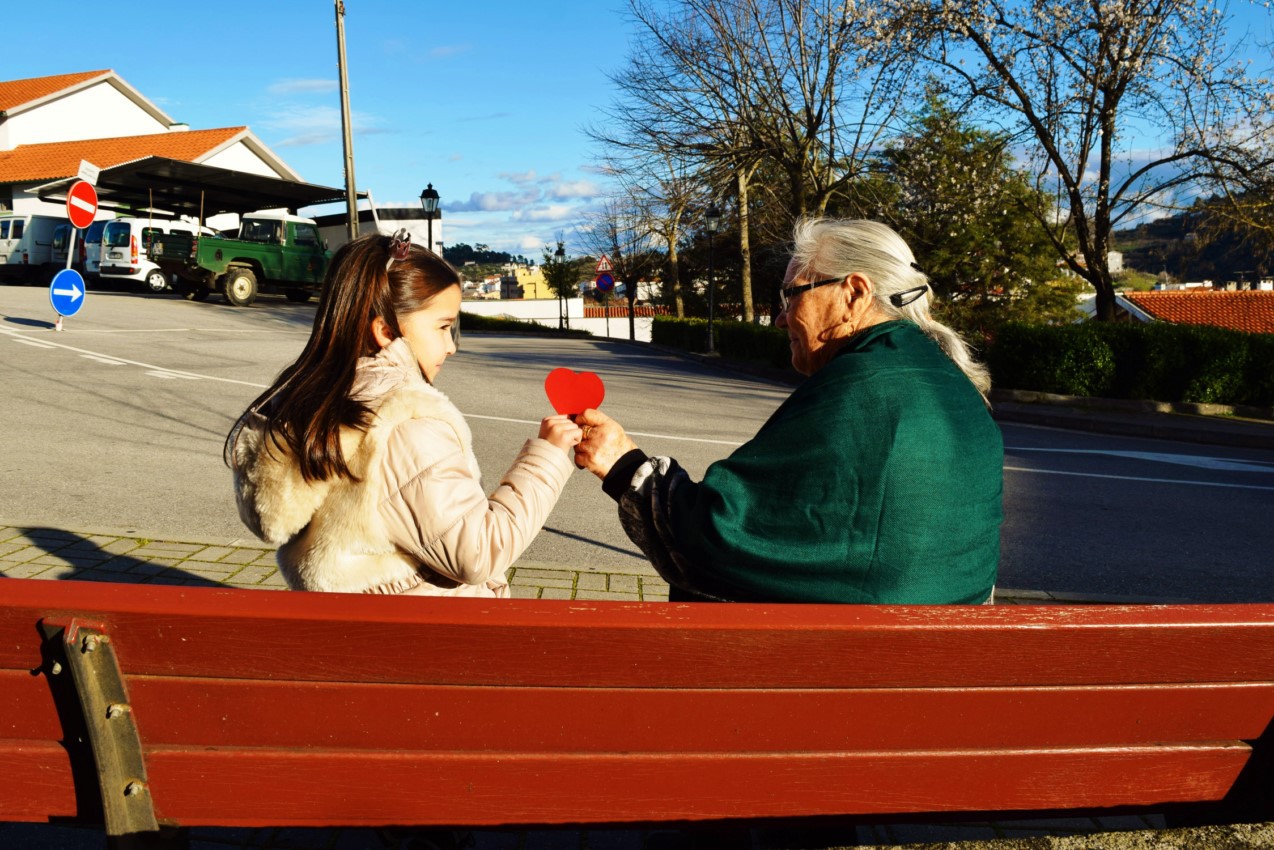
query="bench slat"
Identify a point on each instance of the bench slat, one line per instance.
(246, 787)
(314, 637)
(274, 789)
(286, 714)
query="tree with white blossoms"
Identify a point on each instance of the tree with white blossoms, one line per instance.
(1121, 106)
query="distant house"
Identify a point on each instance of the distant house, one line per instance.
(1250, 311)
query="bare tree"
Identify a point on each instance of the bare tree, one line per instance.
(730, 85)
(1122, 104)
(620, 230)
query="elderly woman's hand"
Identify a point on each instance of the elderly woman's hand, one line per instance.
(604, 442)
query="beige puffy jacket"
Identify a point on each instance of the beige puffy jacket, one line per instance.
(418, 520)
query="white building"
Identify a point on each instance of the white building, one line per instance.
(49, 124)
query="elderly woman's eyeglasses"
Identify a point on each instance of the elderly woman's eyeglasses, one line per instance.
(786, 295)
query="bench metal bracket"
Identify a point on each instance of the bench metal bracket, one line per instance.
(117, 747)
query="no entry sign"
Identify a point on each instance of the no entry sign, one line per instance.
(81, 204)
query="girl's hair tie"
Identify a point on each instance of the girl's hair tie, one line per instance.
(399, 246)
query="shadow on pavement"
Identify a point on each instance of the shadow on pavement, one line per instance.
(90, 562)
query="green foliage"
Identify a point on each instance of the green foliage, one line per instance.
(973, 222)
(1156, 361)
(504, 324)
(461, 253)
(733, 340)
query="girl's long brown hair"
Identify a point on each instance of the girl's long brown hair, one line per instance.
(309, 402)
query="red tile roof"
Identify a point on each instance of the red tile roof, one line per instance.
(1246, 310)
(56, 160)
(14, 93)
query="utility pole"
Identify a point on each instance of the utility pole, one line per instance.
(351, 194)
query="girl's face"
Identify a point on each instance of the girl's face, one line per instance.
(428, 331)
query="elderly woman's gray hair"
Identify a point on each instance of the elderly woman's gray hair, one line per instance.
(826, 247)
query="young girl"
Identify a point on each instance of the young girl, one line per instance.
(360, 471)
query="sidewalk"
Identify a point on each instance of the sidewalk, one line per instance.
(127, 556)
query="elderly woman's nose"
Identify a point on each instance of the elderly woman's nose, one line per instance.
(780, 321)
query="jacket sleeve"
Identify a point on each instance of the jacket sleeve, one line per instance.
(651, 492)
(436, 510)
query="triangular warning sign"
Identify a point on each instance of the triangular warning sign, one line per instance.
(603, 265)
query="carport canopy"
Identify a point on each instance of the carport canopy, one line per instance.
(192, 189)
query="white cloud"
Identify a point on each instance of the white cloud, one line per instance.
(574, 189)
(552, 212)
(493, 201)
(312, 125)
(518, 177)
(302, 86)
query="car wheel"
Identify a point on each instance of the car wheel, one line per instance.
(240, 287)
(156, 281)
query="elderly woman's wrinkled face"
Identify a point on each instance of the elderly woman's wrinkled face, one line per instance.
(812, 319)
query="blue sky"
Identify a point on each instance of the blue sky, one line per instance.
(484, 99)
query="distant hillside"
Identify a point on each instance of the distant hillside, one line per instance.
(1172, 245)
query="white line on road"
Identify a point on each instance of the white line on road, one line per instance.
(732, 443)
(1223, 464)
(109, 361)
(1138, 478)
(32, 342)
(151, 368)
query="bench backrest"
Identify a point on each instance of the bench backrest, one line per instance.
(274, 708)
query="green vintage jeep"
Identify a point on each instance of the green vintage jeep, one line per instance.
(273, 251)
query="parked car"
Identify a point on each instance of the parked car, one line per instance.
(126, 246)
(26, 246)
(271, 250)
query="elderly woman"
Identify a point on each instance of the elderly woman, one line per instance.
(877, 481)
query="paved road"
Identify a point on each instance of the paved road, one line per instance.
(118, 423)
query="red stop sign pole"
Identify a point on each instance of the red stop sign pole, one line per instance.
(81, 204)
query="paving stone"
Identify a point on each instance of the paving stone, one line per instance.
(50, 535)
(556, 593)
(23, 570)
(518, 591)
(606, 594)
(534, 575)
(67, 558)
(11, 547)
(100, 575)
(562, 583)
(244, 556)
(625, 584)
(252, 575)
(210, 568)
(121, 564)
(215, 553)
(120, 546)
(164, 549)
(26, 553)
(590, 581)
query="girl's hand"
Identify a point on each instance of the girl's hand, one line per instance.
(561, 432)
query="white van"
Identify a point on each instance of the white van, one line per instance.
(126, 243)
(91, 248)
(26, 246)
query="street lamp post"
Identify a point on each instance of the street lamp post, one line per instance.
(712, 223)
(429, 202)
(563, 315)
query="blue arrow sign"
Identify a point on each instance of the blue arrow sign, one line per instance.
(605, 282)
(66, 292)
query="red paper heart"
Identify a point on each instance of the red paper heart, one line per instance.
(571, 392)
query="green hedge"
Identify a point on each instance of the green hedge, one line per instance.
(732, 339)
(504, 324)
(1157, 361)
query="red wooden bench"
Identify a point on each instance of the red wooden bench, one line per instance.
(208, 706)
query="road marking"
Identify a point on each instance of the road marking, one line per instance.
(109, 361)
(32, 342)
(1221, 464)
(1138, 478)
(731, 443)
(151, 368)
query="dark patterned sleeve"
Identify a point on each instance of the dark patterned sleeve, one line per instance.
(649, 490)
